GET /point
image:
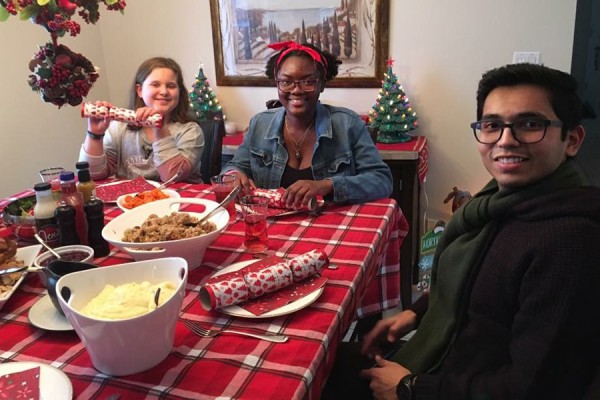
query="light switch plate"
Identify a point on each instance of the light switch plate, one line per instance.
(532, 57)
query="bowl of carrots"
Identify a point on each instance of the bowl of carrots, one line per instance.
(128, 202)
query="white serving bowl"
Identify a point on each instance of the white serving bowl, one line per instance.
(192, 249)
(121, 199)
(127, 346)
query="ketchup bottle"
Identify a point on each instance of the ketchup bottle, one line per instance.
(73, 198)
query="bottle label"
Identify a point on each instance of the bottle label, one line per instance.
(47, 228)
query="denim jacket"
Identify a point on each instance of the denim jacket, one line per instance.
(344, 153)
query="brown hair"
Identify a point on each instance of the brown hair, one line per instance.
(182, 112)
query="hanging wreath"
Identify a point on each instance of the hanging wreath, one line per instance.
(59, 74)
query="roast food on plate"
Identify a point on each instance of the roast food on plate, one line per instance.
(128, 300)
(8, 249)
(174, 226)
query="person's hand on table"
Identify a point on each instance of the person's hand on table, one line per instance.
(299, 193)
(246, 183)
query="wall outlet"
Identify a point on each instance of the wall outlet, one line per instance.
(532, 57)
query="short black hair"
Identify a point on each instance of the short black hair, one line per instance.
(561, 88)
(327, 72)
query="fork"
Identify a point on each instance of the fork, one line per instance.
(200, 331)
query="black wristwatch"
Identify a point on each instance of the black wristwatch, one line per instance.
(404, 390)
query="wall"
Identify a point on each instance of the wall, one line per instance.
(441, 48)
(35, 134)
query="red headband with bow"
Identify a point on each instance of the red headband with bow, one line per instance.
(291, 46)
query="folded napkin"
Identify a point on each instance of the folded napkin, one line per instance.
(266, 284)
(21, 385)
(91, 110)
(110, 192)
(275, 197)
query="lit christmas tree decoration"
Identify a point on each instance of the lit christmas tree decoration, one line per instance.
(392, 115)
(203, 100)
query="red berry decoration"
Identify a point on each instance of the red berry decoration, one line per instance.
(60, 75)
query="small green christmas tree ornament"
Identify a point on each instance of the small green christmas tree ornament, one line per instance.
(203, 100)
(391, 115)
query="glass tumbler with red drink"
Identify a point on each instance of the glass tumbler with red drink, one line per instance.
(254, 210)
(52, 175)
(223, 185)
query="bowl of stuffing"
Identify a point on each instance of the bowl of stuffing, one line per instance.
(18, 217)
(159, 229)
(125, 315)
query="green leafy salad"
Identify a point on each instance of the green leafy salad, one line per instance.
(22, 207)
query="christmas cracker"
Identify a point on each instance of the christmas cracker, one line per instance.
(249, 283)
(91, 110)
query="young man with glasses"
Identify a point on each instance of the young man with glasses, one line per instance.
(514, 308)
(305, 146)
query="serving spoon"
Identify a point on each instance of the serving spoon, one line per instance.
(222, 204)
(43, 243)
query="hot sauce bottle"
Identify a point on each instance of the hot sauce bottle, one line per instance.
(73, 198)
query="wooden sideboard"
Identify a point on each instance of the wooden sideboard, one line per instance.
(408, 163)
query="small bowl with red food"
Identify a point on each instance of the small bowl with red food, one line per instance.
(128, 202)
(73, 252)
(18, 217)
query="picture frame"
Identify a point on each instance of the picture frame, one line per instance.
(242, 30)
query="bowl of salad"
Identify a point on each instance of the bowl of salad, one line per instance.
(18, 217)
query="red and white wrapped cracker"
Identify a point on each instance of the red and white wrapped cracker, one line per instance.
(260, 278)
(91, 110)
(275, 197)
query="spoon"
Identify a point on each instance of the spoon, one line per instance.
(43, 243)
(157, 296)
(163, 185)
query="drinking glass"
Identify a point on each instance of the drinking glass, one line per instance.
(254, 210)
(223, 185)
(52, 175)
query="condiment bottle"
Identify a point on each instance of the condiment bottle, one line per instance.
(65, 217)
(85, 184)
(94, 212)
(73, 198)
(43, 212)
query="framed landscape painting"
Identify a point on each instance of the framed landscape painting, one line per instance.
(356, 31)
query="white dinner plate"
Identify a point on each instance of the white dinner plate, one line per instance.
(169, 192)
(289, 308)
(44, 315)
(27, 255)
(54, 384)
(153, 183)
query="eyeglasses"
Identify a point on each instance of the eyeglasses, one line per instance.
(306, 85)
(526, 131)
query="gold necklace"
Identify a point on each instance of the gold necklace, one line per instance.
(297, 145)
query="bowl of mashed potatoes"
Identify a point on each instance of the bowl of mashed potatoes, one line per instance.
(125, 314)
(167, 228)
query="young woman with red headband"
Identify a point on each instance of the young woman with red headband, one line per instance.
(308, 147)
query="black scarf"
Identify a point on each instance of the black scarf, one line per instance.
(459, 254)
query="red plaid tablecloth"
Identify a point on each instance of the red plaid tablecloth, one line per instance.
(362, 240)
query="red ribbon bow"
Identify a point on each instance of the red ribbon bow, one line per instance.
(291, 46)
